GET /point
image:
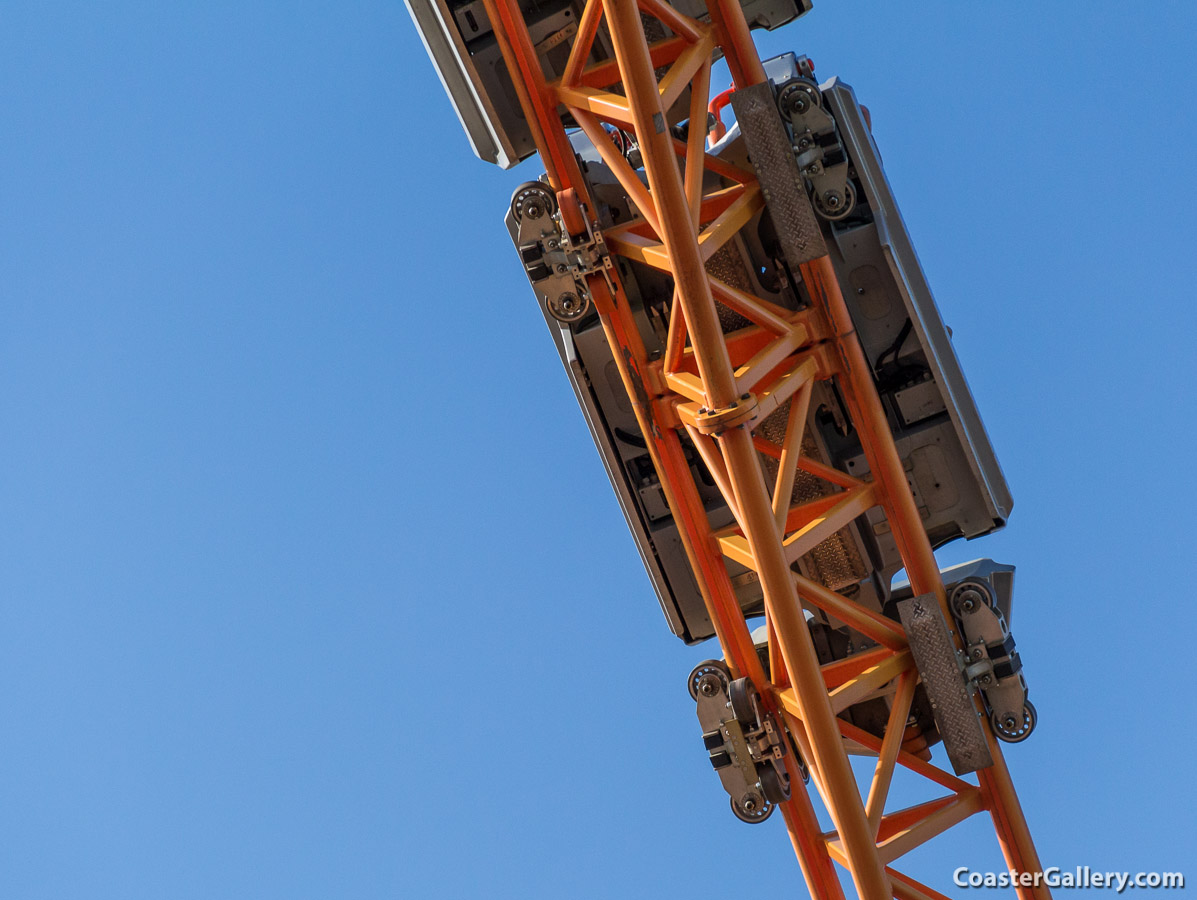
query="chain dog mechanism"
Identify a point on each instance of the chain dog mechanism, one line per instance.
(559, 246)
(746, 745)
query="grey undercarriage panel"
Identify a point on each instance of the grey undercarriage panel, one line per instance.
(951, 467)
(876, 307)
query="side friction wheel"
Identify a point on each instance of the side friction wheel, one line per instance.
(968, 596)
(1011, 730)
(533, 200)
(797, 97)
(707, 677)
(833, 205)
(568, 307)
(752, 808)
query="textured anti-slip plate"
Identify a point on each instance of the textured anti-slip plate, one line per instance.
(951, 704)
(777, 171)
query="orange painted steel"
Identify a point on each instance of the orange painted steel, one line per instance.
(715, 389)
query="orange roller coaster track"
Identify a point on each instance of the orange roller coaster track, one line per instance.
(715, 388)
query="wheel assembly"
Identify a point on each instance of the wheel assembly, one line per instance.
(798, 97)
(1013, 728)
(568, 306)
(744, 742)
(707, 678)
(835, 204)
(968, 596)
(752, 808)
(533, 200)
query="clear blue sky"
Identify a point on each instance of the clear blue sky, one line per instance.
(311, 582)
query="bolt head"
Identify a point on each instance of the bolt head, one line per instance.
(799, 102)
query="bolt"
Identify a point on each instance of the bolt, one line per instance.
(744, 396)
(560, 270)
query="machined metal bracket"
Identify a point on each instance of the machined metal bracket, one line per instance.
(744, 742)
(991, 659)
(560, 248)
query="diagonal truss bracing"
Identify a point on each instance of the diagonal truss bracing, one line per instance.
(716, 389)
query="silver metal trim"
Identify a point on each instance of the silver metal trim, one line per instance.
(460, 79)
(920, 303)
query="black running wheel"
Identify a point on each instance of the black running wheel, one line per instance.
(775, 786)
(743, 705)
